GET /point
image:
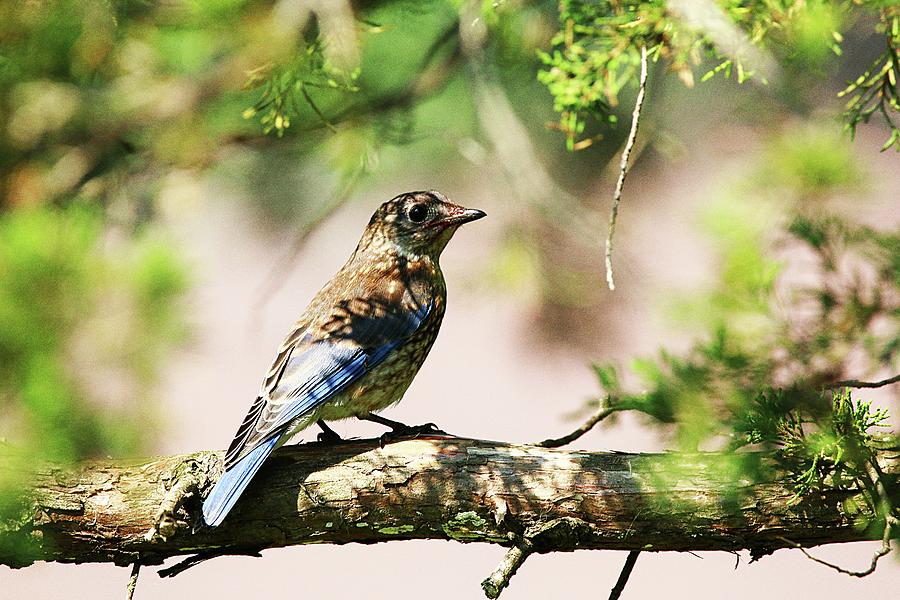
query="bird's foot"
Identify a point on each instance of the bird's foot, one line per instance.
(328, 435)
(402, 432)
(327, 438)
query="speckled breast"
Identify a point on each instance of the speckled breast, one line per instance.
(386, 383)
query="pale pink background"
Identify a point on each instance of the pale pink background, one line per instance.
(490, 375)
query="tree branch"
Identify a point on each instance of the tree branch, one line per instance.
(432, 488)
(855, 383)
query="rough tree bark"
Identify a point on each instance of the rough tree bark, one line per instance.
(434, 488)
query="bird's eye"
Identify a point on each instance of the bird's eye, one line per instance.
(417, 213)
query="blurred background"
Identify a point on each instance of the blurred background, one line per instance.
(177, 179)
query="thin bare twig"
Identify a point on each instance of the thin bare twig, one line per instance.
(589, 424)
(855, 383)
(508, 566)
(624, 575)
(885, 549)
(623, 167)
(132, 581)
(317, 110)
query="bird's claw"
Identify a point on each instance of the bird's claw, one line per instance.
(328, 435)
(329, 438)
(429, 428)
(409, 431)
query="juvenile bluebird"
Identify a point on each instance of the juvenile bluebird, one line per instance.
(357, 346)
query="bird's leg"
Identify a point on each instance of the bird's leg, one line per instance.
(328, 435)
(394, 425)
(400, 430)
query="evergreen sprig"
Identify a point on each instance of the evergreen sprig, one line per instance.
(286, 88)
(595, 53)
(875, 91)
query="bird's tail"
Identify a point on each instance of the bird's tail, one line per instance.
(233, 483)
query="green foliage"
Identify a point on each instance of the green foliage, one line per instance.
(875, 91)
(71, 313)
(319, 85)
(809, 163)
(832, 449)
(94, 96)
(96, 101)
(806, 298)
(84, 324)
(596, 51)
(838, 450)
(286, 88)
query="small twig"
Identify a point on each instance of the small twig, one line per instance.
(132, 581)
(508, 566)
(317, 110)
(855, 383)
(167, 519)
(623, 167)
(586, 426)
(624, 575)
(885, 549)
(196, 559)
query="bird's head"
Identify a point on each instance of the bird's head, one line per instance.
(416, 224)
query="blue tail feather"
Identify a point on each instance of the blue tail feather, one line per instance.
(233, 483)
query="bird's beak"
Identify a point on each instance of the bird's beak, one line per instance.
(459, 215)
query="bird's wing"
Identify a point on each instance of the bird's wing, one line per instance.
(308, 371)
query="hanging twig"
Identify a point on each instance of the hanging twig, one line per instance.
(854, 383)
(623, 167)
(885, 549)
(624, 575)
(132, 581)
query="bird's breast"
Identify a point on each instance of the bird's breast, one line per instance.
(386, 383)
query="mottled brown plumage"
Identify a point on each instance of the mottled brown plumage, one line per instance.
(359, 343)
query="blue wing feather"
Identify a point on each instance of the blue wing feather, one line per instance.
(343, 366)
(233, 483)
(313, 372)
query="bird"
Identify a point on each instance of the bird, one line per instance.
(358, 344)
